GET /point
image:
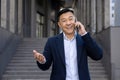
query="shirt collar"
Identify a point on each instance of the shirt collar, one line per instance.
(65, 37)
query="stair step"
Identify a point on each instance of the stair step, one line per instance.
(30, 46)
(20, 61)
(27, 72)
(23, 65)
(32, 76)
(21, 68)
(27, 51)
(24, 79)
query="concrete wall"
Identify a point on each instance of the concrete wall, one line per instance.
(104, 39)
(115, 52)
(8, 45)
(109, 40)
(117, 12)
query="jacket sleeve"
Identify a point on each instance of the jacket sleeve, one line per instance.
(48, 57)
(92, 48)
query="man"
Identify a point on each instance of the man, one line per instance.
(68, 51)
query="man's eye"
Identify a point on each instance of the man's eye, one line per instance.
(71, 19)
(63, 20)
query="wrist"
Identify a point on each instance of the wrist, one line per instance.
(83, 33)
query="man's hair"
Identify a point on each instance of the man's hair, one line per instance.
(64, 10)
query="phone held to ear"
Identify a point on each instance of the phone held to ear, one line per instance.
(77, 28)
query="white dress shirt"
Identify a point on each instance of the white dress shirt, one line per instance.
(71, 58)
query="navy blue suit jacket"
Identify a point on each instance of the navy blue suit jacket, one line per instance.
(54, 54)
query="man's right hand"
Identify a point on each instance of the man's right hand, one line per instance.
(38, 56)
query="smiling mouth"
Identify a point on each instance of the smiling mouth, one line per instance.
(69, 27)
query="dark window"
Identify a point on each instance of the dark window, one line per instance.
(112, 7)
(40, 2)
(113, 1)
(39, 25)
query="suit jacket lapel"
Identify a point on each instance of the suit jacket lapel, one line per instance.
(60, 46)
(79, 47)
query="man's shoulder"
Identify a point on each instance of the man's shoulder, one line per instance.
(56, 36)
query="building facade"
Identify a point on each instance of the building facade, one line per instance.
(24, 19)
(36, 19)
(102, 19)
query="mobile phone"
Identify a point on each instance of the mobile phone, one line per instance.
(77, 27)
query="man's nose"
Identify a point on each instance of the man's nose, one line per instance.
(68, 22)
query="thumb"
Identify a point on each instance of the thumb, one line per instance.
(34, 51)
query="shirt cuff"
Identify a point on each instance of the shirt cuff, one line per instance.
(43, 61)
(84, 34)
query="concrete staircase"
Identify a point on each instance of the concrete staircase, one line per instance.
(97, 71)
(23, 66)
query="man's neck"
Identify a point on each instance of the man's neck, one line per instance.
(70, 36)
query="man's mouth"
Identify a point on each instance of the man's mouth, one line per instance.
(69, 27)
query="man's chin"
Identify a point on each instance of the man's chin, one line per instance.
(72, 32)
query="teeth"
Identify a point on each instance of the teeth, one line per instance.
(69, 27)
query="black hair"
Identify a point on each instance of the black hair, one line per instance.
(64, 10)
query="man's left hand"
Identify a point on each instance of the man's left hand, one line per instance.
(81, 28)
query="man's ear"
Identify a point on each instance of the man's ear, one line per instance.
(59, 24)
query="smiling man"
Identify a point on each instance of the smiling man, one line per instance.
(67, 52)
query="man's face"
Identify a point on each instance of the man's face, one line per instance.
(67, 22)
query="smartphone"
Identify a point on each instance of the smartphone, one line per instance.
(77, 27)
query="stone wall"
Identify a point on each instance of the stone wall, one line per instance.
(8, 45)
(109, 41)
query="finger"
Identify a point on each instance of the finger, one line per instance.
(35, 54)
(34, 51)
(40, 58)
(77, 24)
